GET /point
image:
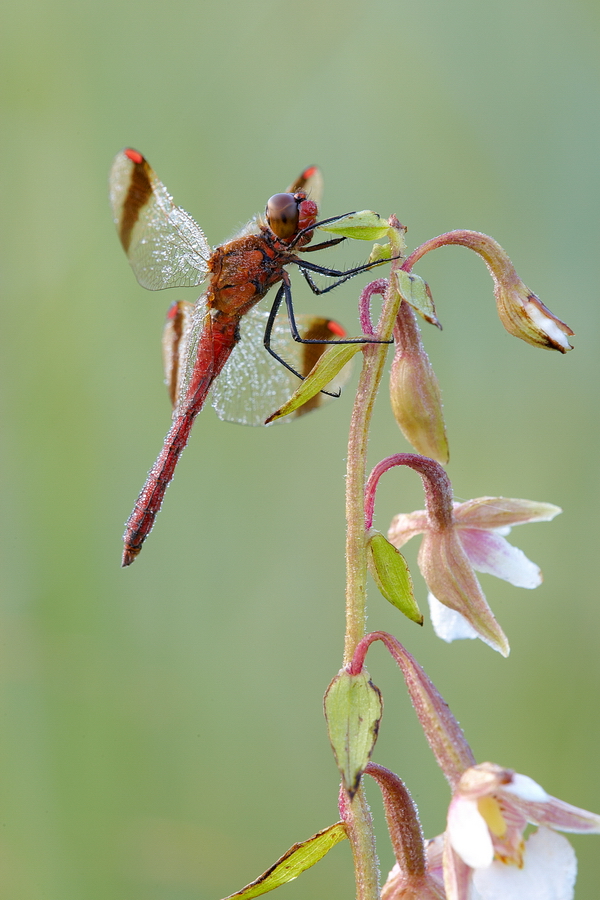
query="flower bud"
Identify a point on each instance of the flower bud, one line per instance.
(521, 312)
(414, 391)
(524, 315)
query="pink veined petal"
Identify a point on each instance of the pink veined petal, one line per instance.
(558, 814)
(498, 512)
(548, 873)
(450, 577)
(468, 833)
(489, 552)
(406, 526)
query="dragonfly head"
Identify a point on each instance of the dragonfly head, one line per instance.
(287, 214)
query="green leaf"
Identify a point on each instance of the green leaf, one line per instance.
(379, 252)
(391, 573)
(416, 292)
(327, 367)
(353, 709)
(293, 863)
(361, 226)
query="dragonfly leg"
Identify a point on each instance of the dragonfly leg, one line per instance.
(315, 287)
(316, 290)
(317, 225)
(283, 291)
(323, 246)
(336, 273)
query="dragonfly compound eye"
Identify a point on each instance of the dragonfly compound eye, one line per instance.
(282, 215)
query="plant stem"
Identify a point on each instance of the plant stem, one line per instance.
(370, 378)
(356, 814)
(359, 828)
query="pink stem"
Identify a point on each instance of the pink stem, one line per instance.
(444, 734)
(438, 490)
(364, 304)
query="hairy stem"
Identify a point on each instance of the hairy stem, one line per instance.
(356, 814)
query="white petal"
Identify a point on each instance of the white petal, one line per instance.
(489, 552)
(547, 325)
(549, 872)
(469, 833)
(526, 788)
(450, 626)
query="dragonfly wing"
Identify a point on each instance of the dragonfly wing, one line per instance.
(311, 181)
(175, 346)
(164, 245)
(253, 384)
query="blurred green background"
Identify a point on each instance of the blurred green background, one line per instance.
(161, 731)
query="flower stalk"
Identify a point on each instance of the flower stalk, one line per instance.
(521, 312)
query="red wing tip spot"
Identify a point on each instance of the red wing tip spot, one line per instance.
(134, 156)
(172, 310)
(336, 328)
(308, 173)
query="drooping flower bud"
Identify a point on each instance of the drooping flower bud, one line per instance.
(414, 390)
(522, 313)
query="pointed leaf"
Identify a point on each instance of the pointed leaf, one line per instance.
(416, 293)
(362, 226)
(391, 573)
(353, 709)
(327, 367)
(297, 859)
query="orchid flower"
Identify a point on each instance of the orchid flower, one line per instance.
(484, 848)
(459, 538)
(482, 855)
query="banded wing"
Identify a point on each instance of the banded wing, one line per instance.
(252, 384)
(164, 245)
(311, 181)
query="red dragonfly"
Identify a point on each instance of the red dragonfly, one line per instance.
(222, 336)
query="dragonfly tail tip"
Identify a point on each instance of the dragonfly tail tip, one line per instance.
(129, 556)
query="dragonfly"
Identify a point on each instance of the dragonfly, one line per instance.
(247, 358)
